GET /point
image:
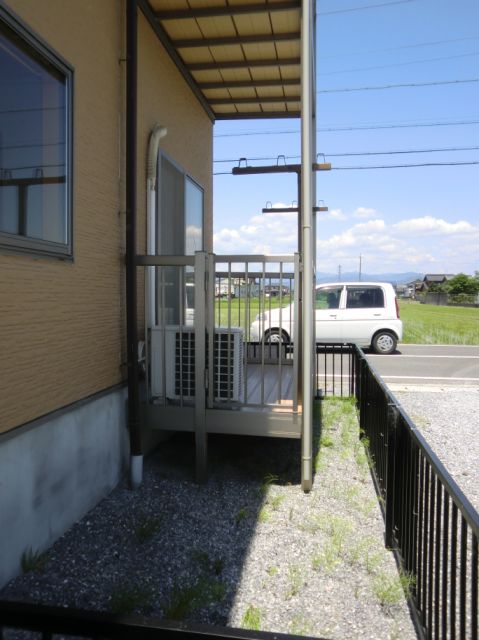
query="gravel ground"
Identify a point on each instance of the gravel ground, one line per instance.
(248, 549)
(448, 417)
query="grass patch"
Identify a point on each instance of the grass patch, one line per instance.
(184, 600)
(431, 324)
(252, 618)
(147, 529)
(241, 515)
(33, 560)
(268, 480)
(391, 589)
(129, 598)
(296, 580)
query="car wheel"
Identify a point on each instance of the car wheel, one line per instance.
(275, 335)
(384, 343)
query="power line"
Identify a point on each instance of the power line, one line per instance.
(361, 153)
(404, 46)
(363, 8)
(399, 64)
(387, 166)
(399, 86)
(352, 128)
(406, 166)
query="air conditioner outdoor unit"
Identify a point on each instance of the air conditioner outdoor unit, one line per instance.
(177, 366)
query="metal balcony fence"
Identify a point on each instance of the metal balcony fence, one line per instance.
(429, 523)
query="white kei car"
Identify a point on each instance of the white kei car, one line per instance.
(364, 313)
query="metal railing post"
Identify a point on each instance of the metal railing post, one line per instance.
(391, 474)
(200, 366)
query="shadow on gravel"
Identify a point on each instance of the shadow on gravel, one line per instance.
(173, 548)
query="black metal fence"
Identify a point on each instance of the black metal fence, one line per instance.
(53, 623)
(335, 370)
(430, 524)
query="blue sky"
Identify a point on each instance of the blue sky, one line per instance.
(423, 219)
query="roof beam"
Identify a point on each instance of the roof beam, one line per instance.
(240, 84)
(243, 64)
(232, 10)
(235, 40)
(257, 115)
(255, 100)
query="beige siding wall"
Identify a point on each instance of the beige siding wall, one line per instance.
(62, 323)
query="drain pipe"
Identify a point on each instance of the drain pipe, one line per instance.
(307, 97)
(136, 454)
(157, 133)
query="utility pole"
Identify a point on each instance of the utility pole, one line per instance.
(360, 262)
(339, 272)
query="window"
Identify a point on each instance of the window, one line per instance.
(328, 298)
(35, 144)
(364, 297)
(179, 232)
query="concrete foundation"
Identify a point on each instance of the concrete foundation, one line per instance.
(53, 471)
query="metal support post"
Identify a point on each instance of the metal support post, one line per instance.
(200, 366)
(307, 98)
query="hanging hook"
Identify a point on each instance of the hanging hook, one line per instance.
(279, 158)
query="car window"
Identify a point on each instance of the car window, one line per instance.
(364, 297)
(328, 298)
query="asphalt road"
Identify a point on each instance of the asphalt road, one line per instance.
(425, 365)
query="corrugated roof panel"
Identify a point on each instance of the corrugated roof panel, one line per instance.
(194, 54)
(264, 50)
(227, 64)
(249, 24)
(217, 27)
(266, 73)
(286, 21)
(244, 93)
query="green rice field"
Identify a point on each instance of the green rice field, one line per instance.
(431, 324)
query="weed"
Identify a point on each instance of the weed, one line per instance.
(326, 559)
(296, 581)
(218, 566)
(241, 515)
(264, 515)
(272, 570)
(300, 625)
(275, 502)
(268, 480)
(326, 441)
(147, 529)
(366, 553)
(252, 618)
(129, 598)
(206, 564)
(33, 560)
(391, 589)
(184, 600)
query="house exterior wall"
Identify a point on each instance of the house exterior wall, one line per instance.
(62, 323)
(63, 436)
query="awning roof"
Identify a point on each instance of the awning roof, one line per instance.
(240, 57)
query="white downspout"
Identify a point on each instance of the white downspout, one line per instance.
(157, 133)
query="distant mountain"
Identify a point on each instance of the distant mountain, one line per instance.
(394, 278)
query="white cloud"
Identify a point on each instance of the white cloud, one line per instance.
(365, 212)
(429, 225)
(420, 244)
